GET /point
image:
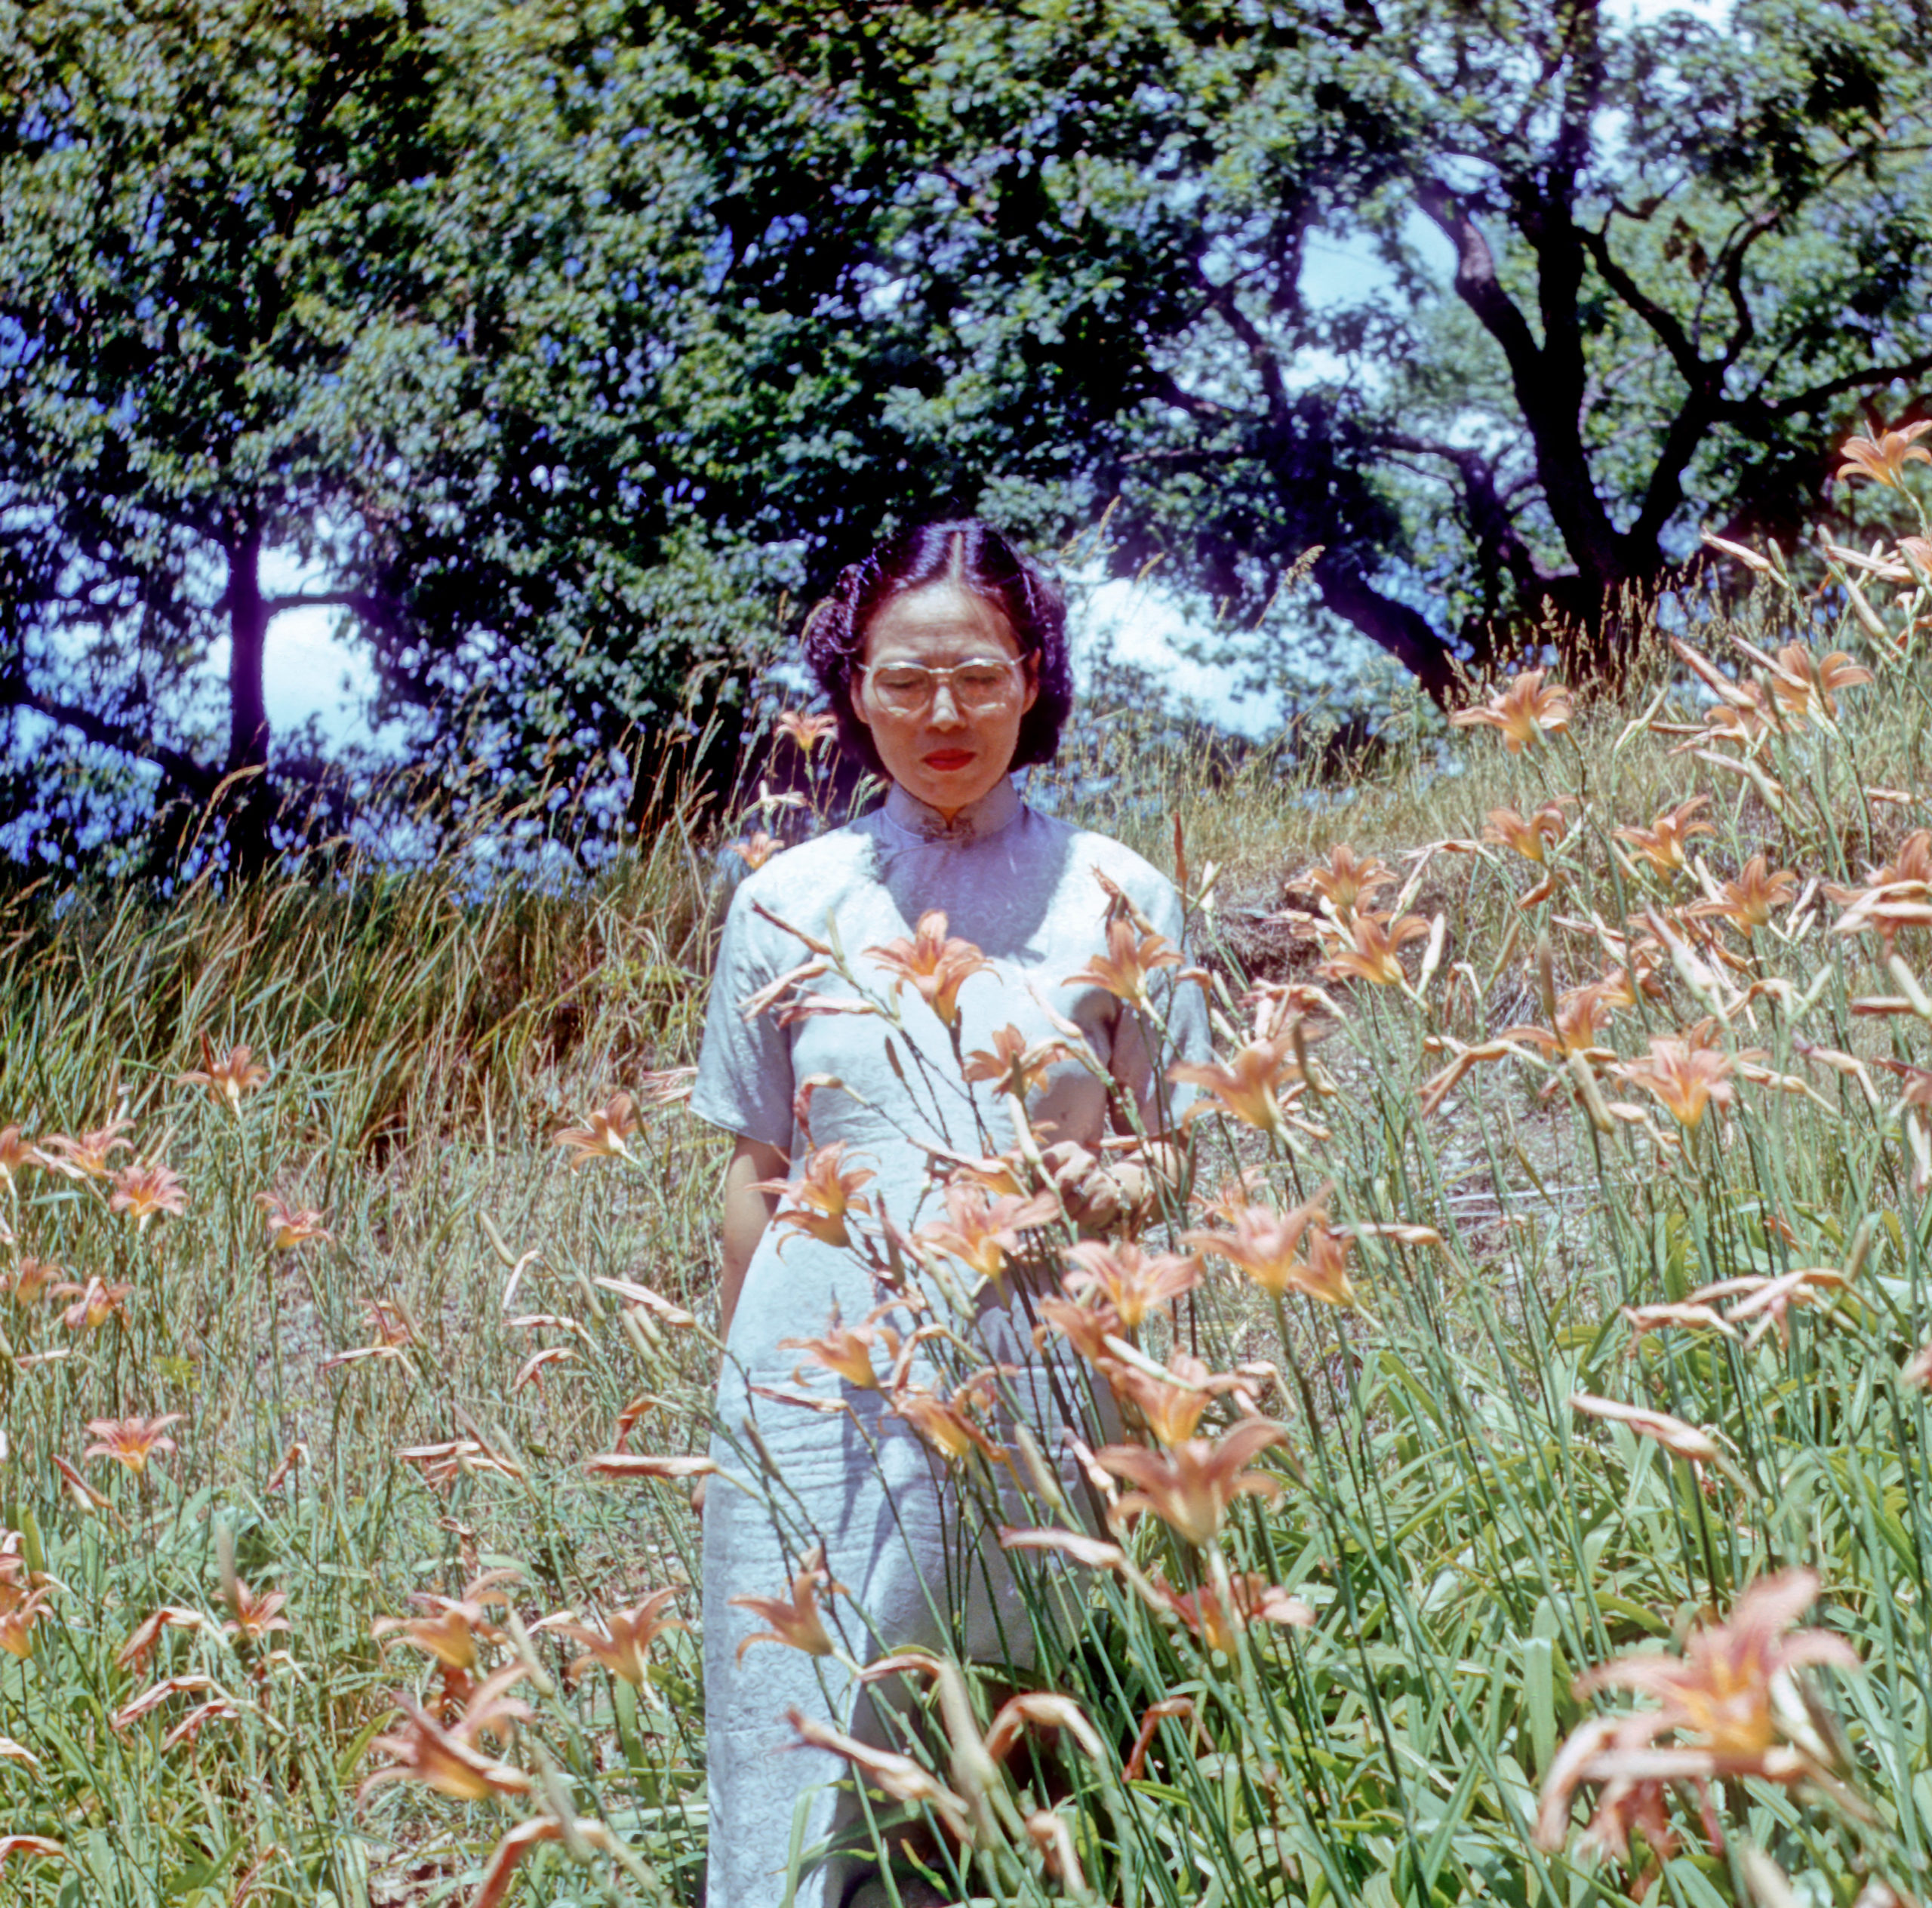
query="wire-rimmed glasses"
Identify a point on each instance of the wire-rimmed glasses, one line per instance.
(979, 684)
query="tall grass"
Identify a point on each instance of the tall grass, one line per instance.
(1447, 1533)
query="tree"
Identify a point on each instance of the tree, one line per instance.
(1035, 257)
(388, 286)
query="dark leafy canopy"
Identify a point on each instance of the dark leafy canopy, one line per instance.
(391, 288)
(555, 335)
(1032, 257)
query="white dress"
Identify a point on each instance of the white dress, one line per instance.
(1022, 887)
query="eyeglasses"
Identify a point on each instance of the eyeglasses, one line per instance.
(979, 683)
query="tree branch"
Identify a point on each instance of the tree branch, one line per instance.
(191, 777)
(372, 608)
(1490, 520)
(1404, 632)
(1170, 390)
(1821, 395)
(1669, 329)
(1477, 284)
(1261, 353)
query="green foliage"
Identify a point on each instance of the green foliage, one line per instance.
(391, 291)
(1031, 259)
(556, 342)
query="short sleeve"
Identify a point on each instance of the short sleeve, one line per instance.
(744, 1070)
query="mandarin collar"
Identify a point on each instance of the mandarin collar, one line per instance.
(998, 809)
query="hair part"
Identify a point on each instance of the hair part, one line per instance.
(975, 556)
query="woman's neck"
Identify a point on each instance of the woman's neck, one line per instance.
(993, 810)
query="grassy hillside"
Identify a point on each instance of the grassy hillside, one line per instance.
(1560, 1233)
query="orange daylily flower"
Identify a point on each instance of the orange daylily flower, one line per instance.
(1896, 896)
(948, 1426)
(806, 732)
(1133, 1281)
(1522, 714)
(253, 1615)
(141, 1191)
(1372, 952)
(1017, 1067)
(846, 1350)
(17, 1154)
(823, 1195)
(1170, 1405)
(794, 1619)
(1251, 1084)
(92, 1155)
(1662, 845)
(30, 1280)
(450, 1759)
(1882, 459)
(604, 1134)
(97, 1302)
(236, 1072)
(18, 1615)
(1746, 713)
(1749, 902)
(1131, 957)
(620, 1646)
(132, 1441)
(1190, 1488)
(1343, 882)
(1086, 1327)
(757, 848)
(1269, 1247)
(937, 965)
(453, 1626)
(1218, 1625)
(1683, 1076)
(980, 1229)
(23, 1597)
(1802, 680)
(1532, 837)
(1581, 1015)
(1723, 1691)
(289, 1226)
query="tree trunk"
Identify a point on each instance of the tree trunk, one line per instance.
(248, 807)
(1405, 633)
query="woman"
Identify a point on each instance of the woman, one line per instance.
(944, 655)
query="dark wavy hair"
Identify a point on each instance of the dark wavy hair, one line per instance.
(977, 557)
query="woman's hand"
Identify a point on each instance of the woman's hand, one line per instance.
(1100, 1194)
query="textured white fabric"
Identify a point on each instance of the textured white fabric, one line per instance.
(1021, 887)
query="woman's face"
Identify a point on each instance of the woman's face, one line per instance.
(949, 749)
